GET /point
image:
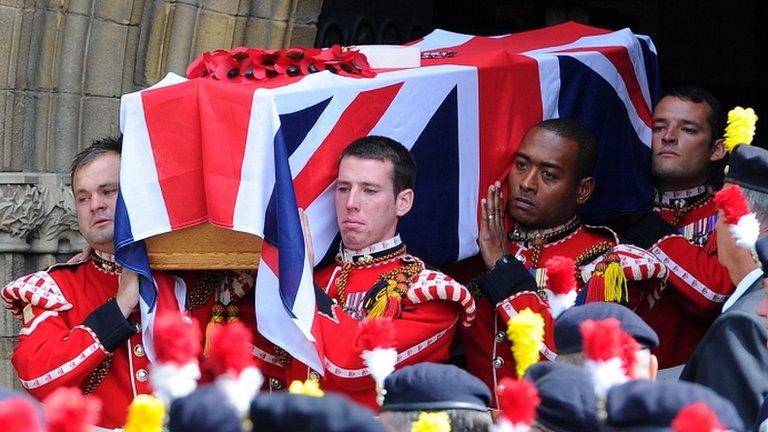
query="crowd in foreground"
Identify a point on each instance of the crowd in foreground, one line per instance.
(557, 325)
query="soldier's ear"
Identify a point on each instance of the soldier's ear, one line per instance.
(718, 150)
(404, 202)
(586, 187)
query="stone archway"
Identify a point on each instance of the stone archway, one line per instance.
(63, 67)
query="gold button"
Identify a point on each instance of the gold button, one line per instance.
(275, 384)
(141, 375)
(314, 376)
(500, 337)
(498, 362)
(138, 350)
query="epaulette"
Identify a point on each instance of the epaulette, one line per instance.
(433, 285)
(602, 229)
(37, 289)
(607, 276)
(67, 264)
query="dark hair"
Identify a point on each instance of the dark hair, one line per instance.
(698, 95)
(97, 148)
(575, 131)
(386, 149)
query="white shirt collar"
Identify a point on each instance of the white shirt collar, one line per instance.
(742, 287)
(347, 255)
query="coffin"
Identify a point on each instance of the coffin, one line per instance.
(204, 247)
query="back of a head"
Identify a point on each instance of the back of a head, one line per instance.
(568, 337)
(386, 149)
(575, 131)
(568, 401)
(748, 168)
(282, 411)
(648, 405)
(203, 411)
(432, 386)
(462, 420)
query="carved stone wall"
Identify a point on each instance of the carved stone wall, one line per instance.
(63, 66)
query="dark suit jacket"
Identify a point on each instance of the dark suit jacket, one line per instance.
(732, 358)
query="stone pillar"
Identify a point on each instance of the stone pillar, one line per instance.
(63, 66)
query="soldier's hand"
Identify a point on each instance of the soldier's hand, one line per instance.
(307, 236)
(128, 292)
(492, 240)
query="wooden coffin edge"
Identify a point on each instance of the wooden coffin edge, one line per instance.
(204, 247)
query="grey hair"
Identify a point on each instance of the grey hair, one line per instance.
(758, 203)
(462, 420)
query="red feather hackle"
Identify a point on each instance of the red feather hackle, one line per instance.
(629, 349)
(518, 400)
(731, 201)
(376, 333)
(68, 410)
(601, 339)
(18, 414)
(177, 339)
(696, 417)
(230, 349)
(561, 274)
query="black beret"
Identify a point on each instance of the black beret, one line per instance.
(432, 386)
(748, 167)
(568, 401)
(204, 410)
(282, 411)
(762, 252)
(653, 405)
(568, 335)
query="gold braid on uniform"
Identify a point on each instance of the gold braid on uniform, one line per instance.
(590, 254)
(105, 265)
(346, 267)
(392, 286)
(204, 288)
(682, 210)
(539, 241)
(97, 376)
(473, 286)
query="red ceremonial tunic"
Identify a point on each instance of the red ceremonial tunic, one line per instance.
(488, 352)
(431, 308)
(70, 322)
(697, 286)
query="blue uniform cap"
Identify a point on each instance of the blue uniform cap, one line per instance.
(279, 412)
(652, 406)
(204, 410)
(568, 401)
(748, 168)
(431, 386)
(568, 335)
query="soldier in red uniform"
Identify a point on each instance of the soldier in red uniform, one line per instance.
(374, 276)
(550, 177)
(79, 320)
(685, 147)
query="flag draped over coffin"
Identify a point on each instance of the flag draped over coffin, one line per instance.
(244, 156)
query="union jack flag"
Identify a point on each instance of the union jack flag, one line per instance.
(245, 156)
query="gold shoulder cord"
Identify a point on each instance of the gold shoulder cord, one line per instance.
(341, 281)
